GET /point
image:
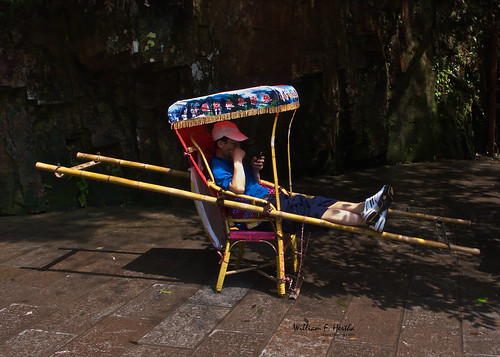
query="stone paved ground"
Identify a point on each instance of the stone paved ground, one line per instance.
(137, 281)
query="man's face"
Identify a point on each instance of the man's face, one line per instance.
(227, 147)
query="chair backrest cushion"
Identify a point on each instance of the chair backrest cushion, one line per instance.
(209, 213)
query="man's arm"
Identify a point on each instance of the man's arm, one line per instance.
(237, 184)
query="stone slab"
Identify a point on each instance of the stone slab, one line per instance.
(37, 278)
(355, 348)
(14, 293)
(186, 327)
(9, 273)
(156, 351)
(256, 313)
(156, 302)
(34, 342)
(298, 335)
(63, 291)
(112, 337)
(481, 335)
(228, 343)
(18, 317)
(372, 322)
(430, 332)
(230, 294)
(93, 307)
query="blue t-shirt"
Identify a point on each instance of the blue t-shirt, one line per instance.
(223, 174)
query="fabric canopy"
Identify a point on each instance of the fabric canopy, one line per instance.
(232, 105)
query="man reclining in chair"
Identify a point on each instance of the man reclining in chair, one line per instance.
(231, 174)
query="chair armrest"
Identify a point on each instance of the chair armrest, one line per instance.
(253, 200)
(271, 184)
(283, 190)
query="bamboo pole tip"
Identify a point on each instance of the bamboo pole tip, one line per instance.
(475, 251)
(467, 250)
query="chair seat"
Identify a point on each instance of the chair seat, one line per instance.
(252, 236)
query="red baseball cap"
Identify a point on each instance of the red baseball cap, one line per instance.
(227, 129)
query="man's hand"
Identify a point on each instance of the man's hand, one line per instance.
(257, 163)
(238, 154)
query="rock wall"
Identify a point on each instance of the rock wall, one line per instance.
(76, 77)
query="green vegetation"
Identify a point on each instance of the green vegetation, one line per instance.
(459, 65)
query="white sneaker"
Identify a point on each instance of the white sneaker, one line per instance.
(379, 201)
(380, 224)
(371, 217)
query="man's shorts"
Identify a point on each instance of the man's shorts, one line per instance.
(304, 206)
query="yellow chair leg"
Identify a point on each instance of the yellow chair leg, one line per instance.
(239, 256)
(223, 267)
(280, 267)
(293, 245)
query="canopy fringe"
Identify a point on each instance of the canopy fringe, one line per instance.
(230, 116)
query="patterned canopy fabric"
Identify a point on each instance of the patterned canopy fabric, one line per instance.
(232, 105)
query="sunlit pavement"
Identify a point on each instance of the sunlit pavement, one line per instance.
(138, 281)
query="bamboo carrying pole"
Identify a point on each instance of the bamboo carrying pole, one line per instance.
(431, 217)
(185, 174)
(243, 206)
(133, 164)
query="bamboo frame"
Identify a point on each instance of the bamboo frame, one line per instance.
(243, 206)
(133, 164)
(289, 155)
(185, 174)
(431, 217)
(85, 165)
(203, 157)
(280, 257)
(273, 158)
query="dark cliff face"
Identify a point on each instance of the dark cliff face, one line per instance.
(74, 77)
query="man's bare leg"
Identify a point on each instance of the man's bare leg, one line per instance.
(344, 217)
(348, 206)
